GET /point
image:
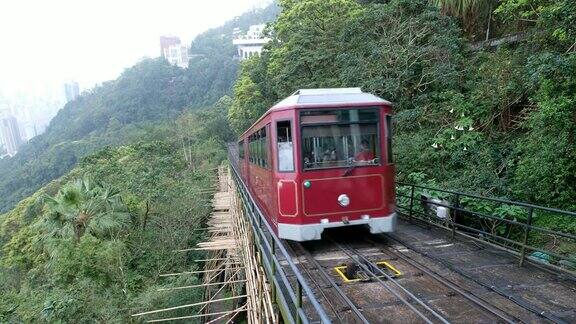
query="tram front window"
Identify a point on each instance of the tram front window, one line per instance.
(339, 138)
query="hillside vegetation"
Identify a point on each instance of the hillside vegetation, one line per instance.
(96, 205)
(91, 245)
(499, 121)
(121, 179)
(127, 109)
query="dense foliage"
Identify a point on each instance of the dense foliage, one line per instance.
(119, 179)
(90, 246)
(499, 121)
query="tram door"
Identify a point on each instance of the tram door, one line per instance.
(284, 180)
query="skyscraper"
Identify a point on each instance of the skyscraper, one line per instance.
(72, 90)
(172, 50)
(10, 134)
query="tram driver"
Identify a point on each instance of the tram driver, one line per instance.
(365, 154)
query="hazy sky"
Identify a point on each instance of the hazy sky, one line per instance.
(46, 42)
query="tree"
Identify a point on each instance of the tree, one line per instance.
(248, 104)
(85, 206)
(554, 20)
(403, 51)
(304, 52)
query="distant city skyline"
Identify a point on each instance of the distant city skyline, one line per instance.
(10, 135)
(61, 47)
(71, 90)
(32, 113)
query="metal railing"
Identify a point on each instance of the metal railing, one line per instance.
(293, 294)
(515, 226)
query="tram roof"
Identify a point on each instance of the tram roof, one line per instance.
(329, 96)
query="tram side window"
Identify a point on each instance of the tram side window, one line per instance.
(258, 150)
(285, 146)
(241, 149)
(389, 156)
(252, 149)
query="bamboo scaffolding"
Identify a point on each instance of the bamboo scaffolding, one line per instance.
(190, 272)
(217, 259)
(187, 306)
(198, 286)
(231, 268)
(259, 300)
(189, 316)
(219, 290)
(236, 311)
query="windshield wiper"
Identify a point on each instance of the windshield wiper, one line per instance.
(350, 169)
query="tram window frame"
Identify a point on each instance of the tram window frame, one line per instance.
(266, 146)
(258, 147)
(241, 153)
(290, 137)
(389, 155)
(260, 161)
(252, 149)
(378, 122)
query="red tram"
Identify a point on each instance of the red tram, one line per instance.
(322, 158)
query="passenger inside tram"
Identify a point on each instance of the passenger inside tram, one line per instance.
(340, 138)
(365, 153)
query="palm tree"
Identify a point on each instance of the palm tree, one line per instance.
(85, 205)
(469, 11)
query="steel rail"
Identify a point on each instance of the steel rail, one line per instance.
(333, 283)
(351, 252)
(471, 297)
(514, 299)
(320, 288)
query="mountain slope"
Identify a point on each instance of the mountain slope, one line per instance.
(127, 109)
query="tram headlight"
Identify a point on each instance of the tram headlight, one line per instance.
(307, 184)
(343, 200)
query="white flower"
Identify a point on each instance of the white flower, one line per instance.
(465, 148)
(452, 137)
(452, 110)
(459, 127)
(462, 115)
(435, 145)
(470, 128)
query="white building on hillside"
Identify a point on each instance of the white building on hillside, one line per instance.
(172, 49)
(250, 44)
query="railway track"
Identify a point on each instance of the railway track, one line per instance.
(421, 294)
(343, 310)
(369, 267)
(496, 314)
(522, 304)
(480, 303)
